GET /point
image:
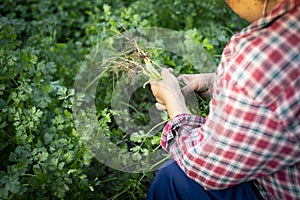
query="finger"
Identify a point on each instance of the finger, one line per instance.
(200, 86)
(180, 77)
(206, 94)
(160, 106)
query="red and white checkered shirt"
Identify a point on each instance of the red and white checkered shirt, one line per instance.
(252, 132)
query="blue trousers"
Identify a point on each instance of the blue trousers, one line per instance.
(171, 183)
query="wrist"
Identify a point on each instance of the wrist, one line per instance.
(177, 106)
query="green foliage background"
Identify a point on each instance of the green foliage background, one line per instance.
(42, 46)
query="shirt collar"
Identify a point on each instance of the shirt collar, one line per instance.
(284, 7)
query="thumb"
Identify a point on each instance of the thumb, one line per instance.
(183, 79)
(186, 90)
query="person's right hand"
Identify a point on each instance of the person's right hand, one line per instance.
(168, 94)
(200, 83)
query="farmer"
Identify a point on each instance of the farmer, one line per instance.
(248, 147)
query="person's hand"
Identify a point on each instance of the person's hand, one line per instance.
(168, 94)
(200, 83)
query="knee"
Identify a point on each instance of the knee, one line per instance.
(172, 183)
(171, 176)
(165, 184)
(170, 171)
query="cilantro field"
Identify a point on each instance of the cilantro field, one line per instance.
(43, 45)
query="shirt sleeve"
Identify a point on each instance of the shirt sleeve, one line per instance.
(240, 140)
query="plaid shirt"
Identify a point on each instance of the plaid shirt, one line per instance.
(252, 132)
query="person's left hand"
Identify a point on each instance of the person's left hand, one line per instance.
(200, 83)
(168, 93)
